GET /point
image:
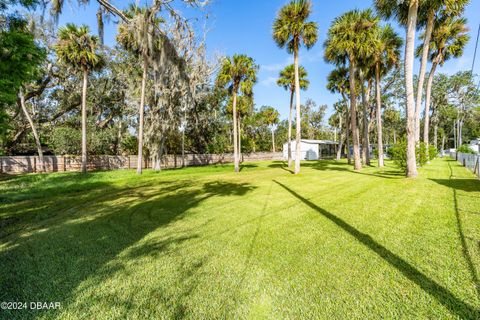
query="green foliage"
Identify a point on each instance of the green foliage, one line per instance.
(432, 152)
(20, 57)
(351, 36)
(465, 149)
(129, 144)
(286, 78)
(67, 140)
(291, 28)
(422, 154)
(398, 152)
(76, 47)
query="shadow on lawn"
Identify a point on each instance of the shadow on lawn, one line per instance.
(282, 165)
(465, 185)
(439, 292)
(331, 165)
(82, 241)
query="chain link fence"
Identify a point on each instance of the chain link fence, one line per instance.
(469, 161)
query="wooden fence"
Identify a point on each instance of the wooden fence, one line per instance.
(29, 164)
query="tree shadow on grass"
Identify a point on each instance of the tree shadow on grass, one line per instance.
(465, 185)
(332, 165)
(440, 293)
(282, 165)
(84, 242)
(247, 166)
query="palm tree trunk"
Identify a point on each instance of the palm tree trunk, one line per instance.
(183, 148)
(298, 126)
(347, 129)
(410, 99)
(84, 121)
(340, 143)
(353, 118)
(290, 130)
(435, 136)
(34, 129)
(366, 138)
(140, 118)
(423, 69)
(240, 160)
(235, 129)
(273, 140)
(379, 116)
(428, 95)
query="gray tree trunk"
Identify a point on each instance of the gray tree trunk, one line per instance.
(235, 135)
(140, 118)
(84, 121)
(379, 116)
(428, 94)
(34, 129)
(240, 139)
(410, 98)
(298, 126)
(290, 116)
(353, 118)
(423, 69)
(273, 140)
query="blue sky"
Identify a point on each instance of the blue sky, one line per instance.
(245, 27)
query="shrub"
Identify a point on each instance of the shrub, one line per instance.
(421, 154)
(465, 149)
(432, 152)
(398, 152)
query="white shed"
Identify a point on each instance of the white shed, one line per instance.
(311, 149)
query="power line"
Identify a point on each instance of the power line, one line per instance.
(476, 46)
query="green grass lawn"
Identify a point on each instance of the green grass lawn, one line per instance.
(206, 243)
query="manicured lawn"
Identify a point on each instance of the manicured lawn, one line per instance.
(205, 243)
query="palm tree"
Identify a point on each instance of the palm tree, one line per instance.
(428, 14)
(244, 107)
(290, 30)
(141, 37)
(351, 38)
(406, 12)
(270, 117)
(338, 82)
(239, 74)
(77, 48)
(386, 56)
(449, 38)
(287, 81)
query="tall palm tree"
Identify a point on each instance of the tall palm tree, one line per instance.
(428, 13)
(350, 39)
(141, 37)
(270, 117)
(338, 82)
(386, 56)
(287, 81)
(449, 38)
(406, 12)
(290, 30)
(238, 73)
(79, 49)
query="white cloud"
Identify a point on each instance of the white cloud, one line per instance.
(268, 82)
(276, 67)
